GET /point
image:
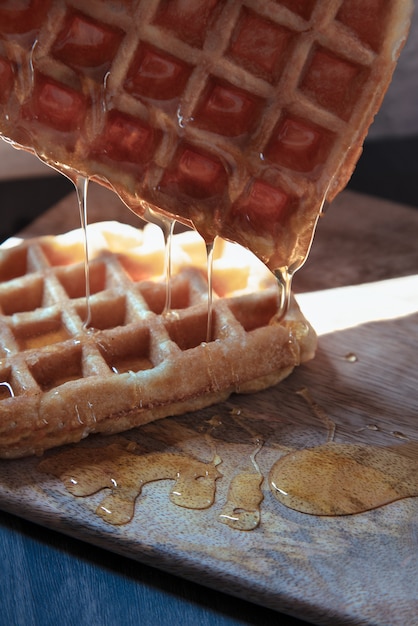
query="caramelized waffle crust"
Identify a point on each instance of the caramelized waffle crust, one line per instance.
(134, 363)
(239, 116)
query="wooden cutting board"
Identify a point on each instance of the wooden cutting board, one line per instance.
(360, 290)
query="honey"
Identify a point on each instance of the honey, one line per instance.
(242, 508)
(87, 471)
(342, 479)
(332, 479)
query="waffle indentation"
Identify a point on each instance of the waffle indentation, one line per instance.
(333, 82)
(299, 145)
(261, 46)
(254, 314)
(156, 74)
(85, 42)
(154, 295)
(196, 174)
(189, 331)
(360, 17)
(125, 139)
(127, 351)
(13, 263)
(26, 296)
(104, 312)
(23, 16)
(188, 20)
(227, 110)
(37, 333)
(262, 205)
(73, 279)
(56, 105)
(56, 367)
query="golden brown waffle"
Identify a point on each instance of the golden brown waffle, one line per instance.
(239, 116)
(61, 381)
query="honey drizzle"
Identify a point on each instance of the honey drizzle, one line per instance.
(209, 255)
(81, 190)
(284, 281)
(81, 187)
(319, 412)
(168, 238)
(166, 225)
(213, 423)
(284, 275)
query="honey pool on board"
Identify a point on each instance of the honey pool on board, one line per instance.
(330, 479)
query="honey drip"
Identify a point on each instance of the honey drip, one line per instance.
(81, 187)
(319, 413)
(343, 479)
(209, 253)
(284, 274)
(167, 228)
(86, 471)
(284, 280)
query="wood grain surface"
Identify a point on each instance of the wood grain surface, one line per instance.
(355, 569)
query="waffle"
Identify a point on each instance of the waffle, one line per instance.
(62, 380)
(239, 117)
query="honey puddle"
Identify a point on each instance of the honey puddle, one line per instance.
(343, 479)
(86, 471)
(242, 508)
(332, 479)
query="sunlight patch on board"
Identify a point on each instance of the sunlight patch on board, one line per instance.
(336, 309)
